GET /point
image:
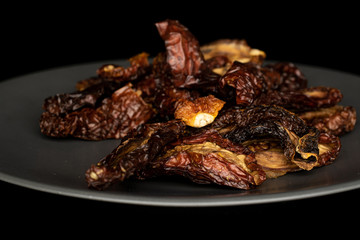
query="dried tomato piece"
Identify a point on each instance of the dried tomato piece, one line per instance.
(303, 99)
(88, 82)
(114, 118)
(290, 79)
(208, 163)
(252, 81)
(217, 62)
(329, 148)
(200, 112)
(165, 100)
(183, 51)
(70, 102)
(184, 65)
(336, 120)
(232, 50)
(138, 65)
(133, 155)
(247, 80)
(209, 158)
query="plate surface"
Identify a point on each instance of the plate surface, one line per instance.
(29, 159)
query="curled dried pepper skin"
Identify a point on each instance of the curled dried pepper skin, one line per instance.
(301, 150)
(242, 117)
(269, 154)
(298, 140)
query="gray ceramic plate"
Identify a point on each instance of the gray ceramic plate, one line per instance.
(29, 159)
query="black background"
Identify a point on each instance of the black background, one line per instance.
(41, 37)
(35, 38)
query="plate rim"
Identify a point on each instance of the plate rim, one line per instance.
(183, 201)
